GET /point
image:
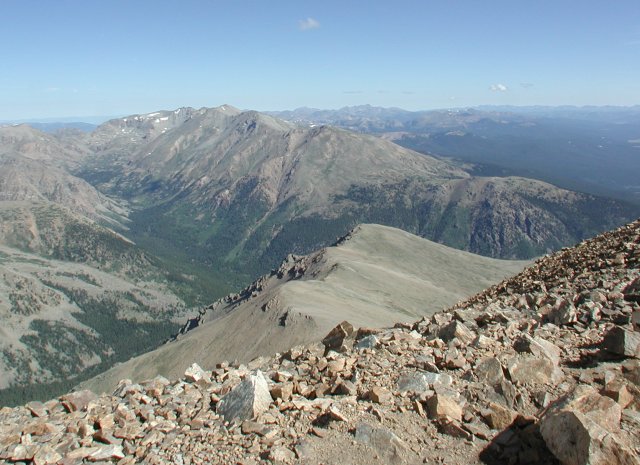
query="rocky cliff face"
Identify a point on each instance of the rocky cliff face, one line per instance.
(541, 368)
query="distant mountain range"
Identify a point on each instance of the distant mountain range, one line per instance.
(243, 189)
(590, 149)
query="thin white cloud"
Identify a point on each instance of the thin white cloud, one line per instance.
(307, 24)
(526, 85)
(498, 88)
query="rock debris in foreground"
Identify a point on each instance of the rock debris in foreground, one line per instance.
(540, 369)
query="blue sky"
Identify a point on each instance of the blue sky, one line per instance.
(116, 57)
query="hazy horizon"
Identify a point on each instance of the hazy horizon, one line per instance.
(97, 119)
(119, 57)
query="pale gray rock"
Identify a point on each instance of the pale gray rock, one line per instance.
(489, 371)
(563, 313)
(46, 455)
(527, 369)
(195, 373)
(383, 440)
(247, 400)
(539, 347)
(367, 342)
(280, 454)
(422, 381)
(106, 453)
(126, 386)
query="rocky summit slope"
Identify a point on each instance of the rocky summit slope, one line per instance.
(542, 368)
(375, 276)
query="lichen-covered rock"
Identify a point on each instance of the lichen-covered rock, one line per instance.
(384, 441)
(489, 371)
(526, 369)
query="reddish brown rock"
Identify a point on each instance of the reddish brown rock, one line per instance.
(442, 405)
(621, 341)
(380, 395)
(498, 416)
(583, 428)
(338, 337)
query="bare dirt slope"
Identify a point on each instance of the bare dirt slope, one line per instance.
(374, 277)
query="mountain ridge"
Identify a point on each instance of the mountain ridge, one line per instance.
(373, 276)
(246, 187)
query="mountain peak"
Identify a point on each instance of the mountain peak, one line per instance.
(227, 108)
(22, 130)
